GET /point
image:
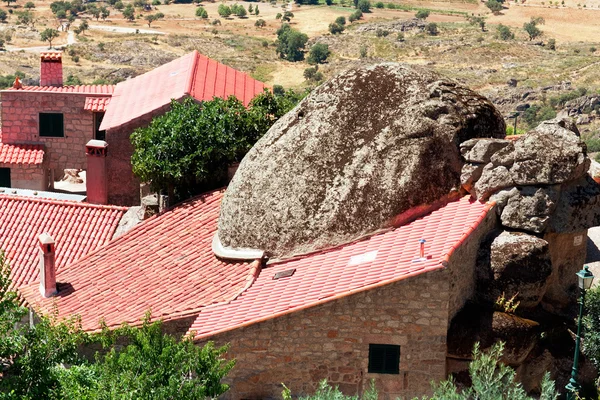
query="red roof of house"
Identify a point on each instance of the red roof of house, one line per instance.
(80, 89)
(77, 228)
(96, 104)
(21, 153)
(165, 264)
(331, 274)
(191, 75)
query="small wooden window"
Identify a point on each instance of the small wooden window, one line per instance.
(5, 177)
(98, 134)
(52, 125)
(384, 359)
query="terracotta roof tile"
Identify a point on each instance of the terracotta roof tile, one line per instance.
(165, 264)
(80, 89)
(21, 154)
(77, 228)
(338, 272)
(191, 75)
(51, 55)
(96, 104)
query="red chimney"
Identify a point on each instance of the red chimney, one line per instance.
(96, 178)
(51, 73)
(47, 266)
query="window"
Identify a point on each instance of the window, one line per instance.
(52, 125)
(98, 134)
(5, 177)
(384, 359)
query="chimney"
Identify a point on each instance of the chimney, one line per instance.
(51, 73)
(96, 178)
(47, 267)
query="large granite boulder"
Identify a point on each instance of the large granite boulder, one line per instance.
(518, 265)
(357, 152)
(577, 209)
(530, 208)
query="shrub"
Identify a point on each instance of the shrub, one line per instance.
(531, 27)
(379, 4)
(355, 16)
(29, 5)
(3, 15)
(432, 28)
(422, 14)
(592, 49)
(364, 5)
(119, 5)
(260, 23)
(504, 32)
(318, 54)
(201, 13)
(551, 44)
(536, 114)
(309, 73)
(73, 80)
(363, 51)
(381, 32)
(265, 43)
(336, 28)
(290, 43)
(215, 22)
(224, 11)
(400, 37)
(101, 46)
(340, 20)
(494, 6)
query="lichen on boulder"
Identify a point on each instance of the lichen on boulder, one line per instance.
(360, 150)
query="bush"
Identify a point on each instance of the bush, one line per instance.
(355, 16)
(215, 22)
(201, 13)
(551, 44)
(592, 49)
(260, 23)
(364, 5)
(536, 114)
(290, 43)
(224, 11)
(504, 32)
(379, 4)
(309, 73)
(318, 54)
(494, 6)
(422, 14)
(381, 32)
(336, 28)
(531, 27)
(400, 37)
(265, 43)
(363, 51)
(3, 15)
(119, 5)
(340, 20)
(432, 28)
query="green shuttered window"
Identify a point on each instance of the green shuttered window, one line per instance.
(384, 359)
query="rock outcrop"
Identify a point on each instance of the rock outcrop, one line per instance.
(360, 150)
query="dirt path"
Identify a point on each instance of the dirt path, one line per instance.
(121, 29)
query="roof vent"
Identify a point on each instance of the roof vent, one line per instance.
(284, 274)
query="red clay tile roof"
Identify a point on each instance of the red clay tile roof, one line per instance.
(21, 153)
(80, 89)
(327, 275)
(191, 75)
(51, 56)
(164, 264)
(77, 228)
(96, 104)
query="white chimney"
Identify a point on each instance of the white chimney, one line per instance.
(47, 266)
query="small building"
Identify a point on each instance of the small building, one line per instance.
(377, 308)
(45, 128)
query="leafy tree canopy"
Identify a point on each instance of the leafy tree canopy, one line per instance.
(318, 53)
(290, 43)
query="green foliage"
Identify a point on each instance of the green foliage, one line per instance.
(491, 380)
(591, 320)
(341, 20)
(29, 5)
(422, 14)
(432, 29)
(256, 11)
(238, 10)
(355, 16)
(72, 80)
(538, 113)
(290, 43)
(379, 4)
(381, 32)
(129, 12)
(551, 44)
(3, 16)
(335, 28)
(119, 5)
(83, 26)
(201, 13)
(224, 11)
(477, 21)
(327, 392)
(494, 6)
(25, 18)
(313, 75)
(563, 98)
(363, 51)
(504, 32)
(531, 27)
(318, 54)
(48, 35)
(287, 16)
(187, 150)
(505, 305)
(104, 13)
(364, 5)
(153, 17)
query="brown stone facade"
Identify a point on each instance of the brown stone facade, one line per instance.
(32, 177)
(331, 341)
(20, 124)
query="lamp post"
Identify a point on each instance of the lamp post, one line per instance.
(585, 279)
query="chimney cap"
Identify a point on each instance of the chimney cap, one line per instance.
(45, 238)
(96, 143)
(51, 55)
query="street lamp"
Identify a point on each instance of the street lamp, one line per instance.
(584, 280)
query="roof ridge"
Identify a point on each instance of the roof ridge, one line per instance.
(61, 202)
(192, 73)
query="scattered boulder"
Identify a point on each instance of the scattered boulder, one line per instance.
(363, 148)
(577, 209)
(481, 150)
(512, 82)
(530, 208)
(493, 178)
(72, 176)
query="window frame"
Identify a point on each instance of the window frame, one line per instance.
(62, 116)
(387, 353)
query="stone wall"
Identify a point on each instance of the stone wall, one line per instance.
(27, 176)
(20, 124)
(123, 186)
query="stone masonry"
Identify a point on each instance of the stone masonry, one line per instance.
(331, 341)
(27, 176)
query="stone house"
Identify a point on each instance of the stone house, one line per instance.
(45, 128)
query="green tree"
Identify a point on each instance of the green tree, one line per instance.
(364, 5)
(240, 12)
(494, 6)
(504, 32)
(153, 17)
(318, 54)
(25, 18)
(83, 26)
(224, 11)
(477, 21)
(250, 9)
(335, 28)
(532, 29)
(104, 13)
(201, 13)
(129, 12)
(355, 16)
(256, 11)
(290, 43)
(119, 5)
(432, 28)
(422, 14)
(48, 35)
(29, 5)
(260, 23)
(9, 1)
(287, 16)
(187, 150)
(340, 20)
(93, 11)
(3, 15)
(552, 44)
